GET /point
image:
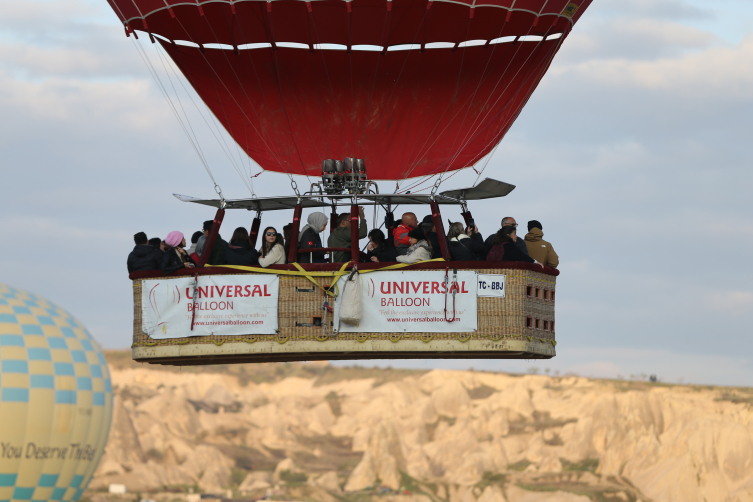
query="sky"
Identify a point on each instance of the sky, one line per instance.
(633, 153)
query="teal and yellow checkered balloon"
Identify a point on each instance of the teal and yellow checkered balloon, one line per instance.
(55, 400)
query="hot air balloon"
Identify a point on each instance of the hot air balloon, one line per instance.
(55, 400)
(355, 91)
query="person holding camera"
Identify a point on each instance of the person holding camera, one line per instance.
(466, 244)
(507, 221)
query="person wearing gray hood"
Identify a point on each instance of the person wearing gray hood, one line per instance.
(309, 238)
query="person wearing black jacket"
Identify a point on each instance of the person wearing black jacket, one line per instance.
(427, 224)
(378, 250)
(507, 221)
(239, 250)
(143, 256)
(465, 244)
(175, 256)
(506, 239)
(309, 238)
(217, 254)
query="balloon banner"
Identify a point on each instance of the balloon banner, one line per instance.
(223, 305)
(414, 302)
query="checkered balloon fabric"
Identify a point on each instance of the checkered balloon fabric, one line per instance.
(55, 400)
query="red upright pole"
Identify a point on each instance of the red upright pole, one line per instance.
(293, 253)
(254, 233)
(355, 250)
(439, 228)
(216, 224)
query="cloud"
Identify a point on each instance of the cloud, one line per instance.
(655, 9)
(731, 302)
(720, 73)
(641, 39)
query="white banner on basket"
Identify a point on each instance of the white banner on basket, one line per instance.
(492, 285)
(413, 301)
(225, 305)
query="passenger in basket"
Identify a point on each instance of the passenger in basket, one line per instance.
(466, 244)
(427, 225)
(217, 253)
(505, 247)
(286, 231)
(272, 250)
(507, 221)
(194, 241)
(400, 235)
(378, 250)
(239, 250)
(158, 244)
(340, 236)
(175, 256)
(419, 250)
(143, 256)
(538, 248)
(309, 238)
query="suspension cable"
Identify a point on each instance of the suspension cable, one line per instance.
(220, 140)
(166, 95)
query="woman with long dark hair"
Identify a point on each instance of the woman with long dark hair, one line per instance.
(466, 244)
(272, 248)
(239, 250)
(504, 247)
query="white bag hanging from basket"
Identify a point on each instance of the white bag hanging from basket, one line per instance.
(350, 305)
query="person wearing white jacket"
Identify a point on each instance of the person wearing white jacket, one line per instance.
(419, 250)
(272, 251)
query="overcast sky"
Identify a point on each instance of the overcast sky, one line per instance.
(634, 153)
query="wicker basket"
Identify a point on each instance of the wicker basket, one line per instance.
(519, 326)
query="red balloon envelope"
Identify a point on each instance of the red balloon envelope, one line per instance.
(414, 87)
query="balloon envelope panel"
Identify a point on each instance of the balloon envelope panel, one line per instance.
(55, 400)
(414, 87)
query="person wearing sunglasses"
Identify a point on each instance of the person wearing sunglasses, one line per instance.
(272, 249)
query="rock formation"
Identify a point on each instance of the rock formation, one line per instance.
(452, 436)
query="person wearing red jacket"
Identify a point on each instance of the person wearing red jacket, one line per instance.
(400, 234)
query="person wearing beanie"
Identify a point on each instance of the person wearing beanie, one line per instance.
(217, 254)
(420, 248)
(143, 257)
(175, 255)
(539, 249)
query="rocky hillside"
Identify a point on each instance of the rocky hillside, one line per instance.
(323, 433)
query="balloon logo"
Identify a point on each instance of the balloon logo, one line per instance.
(55, 400)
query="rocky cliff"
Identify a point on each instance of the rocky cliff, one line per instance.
(316, 432)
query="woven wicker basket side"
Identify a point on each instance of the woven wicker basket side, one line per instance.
(514, 317)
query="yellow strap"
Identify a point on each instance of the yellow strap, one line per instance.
(334, 274)
(310, 275)
(304, 273)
